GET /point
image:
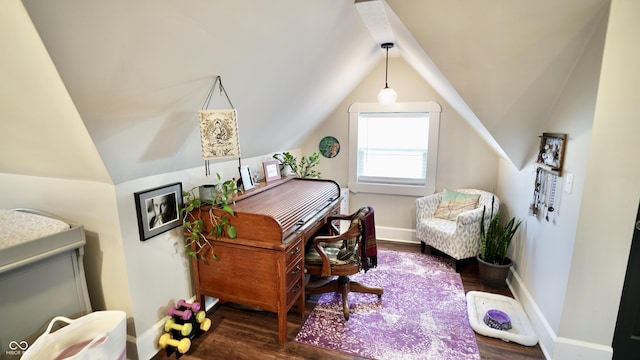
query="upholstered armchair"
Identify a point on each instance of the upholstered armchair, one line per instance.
(449, 221)
(342, 255)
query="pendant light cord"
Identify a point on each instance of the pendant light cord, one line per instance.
(386, 69)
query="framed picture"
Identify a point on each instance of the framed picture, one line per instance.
(271, 170)
(551, 152)
(158, 210)
(247, 179)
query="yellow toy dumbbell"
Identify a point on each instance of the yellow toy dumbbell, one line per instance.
(182, 345)
(185, 329)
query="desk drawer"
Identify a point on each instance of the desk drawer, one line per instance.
(294, 252)
(294, 291)
(293, 273)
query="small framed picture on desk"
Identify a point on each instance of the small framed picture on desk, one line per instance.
(271, 170)
(247, 179)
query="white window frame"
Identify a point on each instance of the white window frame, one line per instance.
(434, 109)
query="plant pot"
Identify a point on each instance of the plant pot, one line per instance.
(493, 276)
(206, 192)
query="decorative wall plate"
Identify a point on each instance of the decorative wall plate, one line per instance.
(329, 146)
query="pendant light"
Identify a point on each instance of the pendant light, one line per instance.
(387, 95)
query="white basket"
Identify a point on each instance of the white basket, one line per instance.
(100, 335)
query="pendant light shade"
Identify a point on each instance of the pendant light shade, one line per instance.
(387, 95)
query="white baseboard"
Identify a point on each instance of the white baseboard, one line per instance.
(554, 347)
(396, 234)
(546, 335)
(575, 349)
(147, 343)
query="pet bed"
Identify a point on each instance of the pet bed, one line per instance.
(479, 303)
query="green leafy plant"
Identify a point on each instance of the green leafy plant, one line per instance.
(302, 168)
(197, 239)
(495, 240)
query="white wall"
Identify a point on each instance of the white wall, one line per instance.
(42, 133)
(611, 191)
(569, 271)
(464, 159)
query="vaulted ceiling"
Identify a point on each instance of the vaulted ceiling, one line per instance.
(138, 71)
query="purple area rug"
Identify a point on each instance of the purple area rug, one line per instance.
(422, 314)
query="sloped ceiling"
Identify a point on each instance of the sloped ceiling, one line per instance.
(138, 71)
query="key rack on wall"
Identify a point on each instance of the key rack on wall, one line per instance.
(549, 167)
(551, 152)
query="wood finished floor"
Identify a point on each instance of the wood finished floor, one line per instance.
(242, 334)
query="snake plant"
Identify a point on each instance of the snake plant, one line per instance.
(495, 240)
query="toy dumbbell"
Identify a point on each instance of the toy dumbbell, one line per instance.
(185, 315)
(205, 325)
(185, 329)
(195, 307)
(200, 316)
(182, 345)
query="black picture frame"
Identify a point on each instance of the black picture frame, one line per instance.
(158, 209)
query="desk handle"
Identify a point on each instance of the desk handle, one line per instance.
(296, 270)
(296, 250)
(296, 289)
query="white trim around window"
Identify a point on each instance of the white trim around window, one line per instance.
(378, 185)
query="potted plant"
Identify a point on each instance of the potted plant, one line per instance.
(302, 168)
(218, 211)
(493, 263)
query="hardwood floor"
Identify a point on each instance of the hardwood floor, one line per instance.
(246, 334)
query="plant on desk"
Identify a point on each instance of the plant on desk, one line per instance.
(197, 241)
(302, 168)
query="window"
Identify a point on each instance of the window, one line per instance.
(393, 149)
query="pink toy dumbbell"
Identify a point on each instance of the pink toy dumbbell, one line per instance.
(194, 307)
(185, 315)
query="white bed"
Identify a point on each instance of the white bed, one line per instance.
(41, 273)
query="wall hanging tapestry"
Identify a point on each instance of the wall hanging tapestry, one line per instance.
(218, 130)
(219, 134)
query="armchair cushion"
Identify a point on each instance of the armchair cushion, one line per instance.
(453, 203)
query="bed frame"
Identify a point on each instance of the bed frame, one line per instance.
(41, 279)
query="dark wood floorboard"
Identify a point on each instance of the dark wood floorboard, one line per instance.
(245, 334)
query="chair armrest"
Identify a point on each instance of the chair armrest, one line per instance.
(469, 217)
(352, 232)
(340, 217)
(426, 206)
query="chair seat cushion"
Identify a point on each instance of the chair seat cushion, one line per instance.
(312, 256)
(438, 225)
(453, 203)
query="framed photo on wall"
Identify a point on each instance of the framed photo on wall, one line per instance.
(158, 210)
(271, 170)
